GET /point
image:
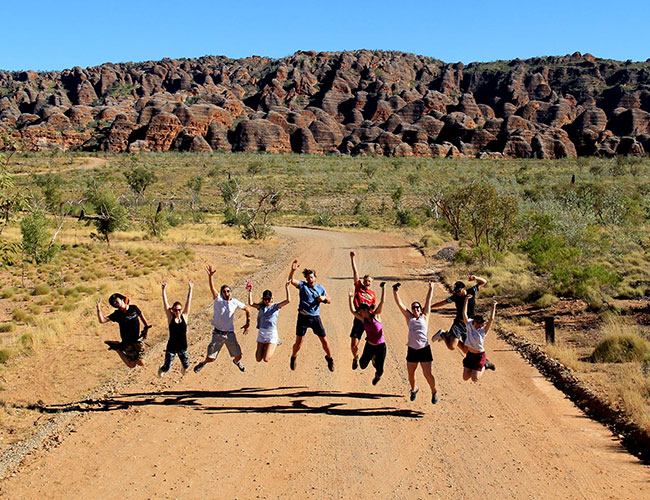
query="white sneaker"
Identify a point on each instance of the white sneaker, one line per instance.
(160, 372)
(239, 365)
(438, 336)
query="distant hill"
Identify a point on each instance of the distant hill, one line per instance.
(360, 103)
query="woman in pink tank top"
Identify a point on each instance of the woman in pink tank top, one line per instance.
(375, 348)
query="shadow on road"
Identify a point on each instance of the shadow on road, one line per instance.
(297, 397)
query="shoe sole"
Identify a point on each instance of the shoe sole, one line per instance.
(414, 393)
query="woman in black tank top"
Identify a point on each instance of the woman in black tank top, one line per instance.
(177, 319)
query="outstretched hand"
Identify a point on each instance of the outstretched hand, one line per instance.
(210, 270)
(294, 264)
(352, 254)
(163, 284)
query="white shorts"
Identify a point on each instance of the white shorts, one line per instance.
(268, 336)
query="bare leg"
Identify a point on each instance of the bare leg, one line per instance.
(467, 373)
(410, 367)
(354, 347)
(428, 375)
(451, 342)
(296, 346)
(259, 352)
(476, 374)
(127, 361)
(326, 346)
(268, 352)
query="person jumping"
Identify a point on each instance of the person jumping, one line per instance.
(362, 295)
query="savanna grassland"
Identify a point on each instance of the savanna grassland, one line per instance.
(569, 238)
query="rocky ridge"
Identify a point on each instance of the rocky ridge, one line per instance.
(359, 103)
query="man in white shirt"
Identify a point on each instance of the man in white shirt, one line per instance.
(223, 316)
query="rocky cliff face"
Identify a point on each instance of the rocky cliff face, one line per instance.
(359, 103)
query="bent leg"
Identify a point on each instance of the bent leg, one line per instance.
(467, 373)
(259, 352)
(268, 352)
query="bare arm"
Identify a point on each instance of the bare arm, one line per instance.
(427, 302)
(351, 305)
(188, 302)
(100, 316)
(479, 281)
(493, 314)
(400, 305)
(248, 319)
(438, 304)
(210, 270)
(288, 299)
(250, 297)
(294, 266)
(168, 313)
(467, 298)
(324, 299)
(380, 306)
(355, 273)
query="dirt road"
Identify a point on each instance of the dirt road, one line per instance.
(274, 433)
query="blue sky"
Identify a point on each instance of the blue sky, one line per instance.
(48, 35)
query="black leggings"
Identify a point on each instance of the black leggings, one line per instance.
(378, 352)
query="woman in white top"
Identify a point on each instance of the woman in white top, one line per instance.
(477, 330)
(419, 350)
(267, 321)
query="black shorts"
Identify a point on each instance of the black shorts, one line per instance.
(458, 330)
(357, 329)
(312, 322)
(419, 355)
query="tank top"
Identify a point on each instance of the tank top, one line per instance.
(374, 331)
(418, 333)
(177, 336)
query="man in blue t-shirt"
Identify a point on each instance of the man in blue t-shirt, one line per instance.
(457, 334)
(312, 295)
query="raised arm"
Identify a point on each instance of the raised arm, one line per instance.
(288, 299)
(351, 305)
(163, 286)
(493, 314)
(380, 306)
(188, 302)
(291, 279)
(100, 316)
(427, 302)
(249, 287)
(210, 270)
(355, 273)
(398, 301)
(480, 282)
(467, 299)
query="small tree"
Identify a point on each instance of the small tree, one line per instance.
(195, 184)
(109, 214)
(37, 241)
(139, 179)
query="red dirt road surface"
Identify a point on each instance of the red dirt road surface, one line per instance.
(309, 433)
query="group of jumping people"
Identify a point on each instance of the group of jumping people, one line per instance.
(467, 333)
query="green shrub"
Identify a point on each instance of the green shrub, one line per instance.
(10, 326)
(42, 289)
(8, 292)
(323, 218)
(546, 300)
(6, 353)
(622, 348)
(406, 217)
(19, 315)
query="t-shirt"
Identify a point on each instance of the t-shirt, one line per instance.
(128, 321)
(418, 329)
(363, 295)
(460, 302)
(224, 313)
(309, 303)
(475, 337)
(267, 317)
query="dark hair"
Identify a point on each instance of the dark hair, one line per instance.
(479, 318)
(223, 287)
(267, 293)
(416, 302)
(177, 303)
(306, 272)
(458, 286)
(112, 300)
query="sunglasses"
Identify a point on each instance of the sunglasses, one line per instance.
(176, 310)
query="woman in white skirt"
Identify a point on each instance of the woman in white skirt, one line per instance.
(267, 321)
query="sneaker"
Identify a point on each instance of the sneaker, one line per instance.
(434, 398)
(160, 371)
(199, 367)
(438, 336)
(279, 342)
(355, 363)
(489, 365)
(239, 365)
(414, 393)
(330, 363)
(375, 380)
(292, 363)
